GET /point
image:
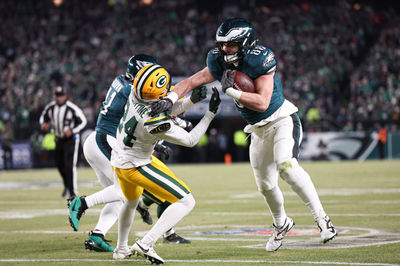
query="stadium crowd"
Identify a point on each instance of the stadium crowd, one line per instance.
(338, 60)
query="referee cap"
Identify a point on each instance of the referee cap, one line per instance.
(59, 91)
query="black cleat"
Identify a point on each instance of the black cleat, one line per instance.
(144, 213)
(175, 239)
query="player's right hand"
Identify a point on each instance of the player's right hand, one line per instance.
(214, 101)
(227, 80)
(162, 105)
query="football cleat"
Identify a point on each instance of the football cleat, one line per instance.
(175, 239)
(275, 241)
(75, 212)
(144, 213)
(122, 253)
(326, 228)
(148, 252)
(96, 242)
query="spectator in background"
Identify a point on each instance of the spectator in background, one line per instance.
(319, 58)
(6, 140)
(65, 120)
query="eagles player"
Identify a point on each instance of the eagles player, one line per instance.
(97, 151)
(137, 169)
(275, 128)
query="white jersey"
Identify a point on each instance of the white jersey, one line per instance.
(138, 133)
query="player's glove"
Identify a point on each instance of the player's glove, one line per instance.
(227, 80)
(189, 126)
(164, 150)
(214, 101)
(198, 94)
(162, 105)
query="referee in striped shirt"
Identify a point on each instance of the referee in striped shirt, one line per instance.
(65, 120)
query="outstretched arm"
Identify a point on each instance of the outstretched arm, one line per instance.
(202, 77)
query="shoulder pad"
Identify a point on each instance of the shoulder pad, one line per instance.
(261, 59)
(213, 64)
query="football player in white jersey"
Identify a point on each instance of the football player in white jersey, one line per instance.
(136, 168)
(97, 150)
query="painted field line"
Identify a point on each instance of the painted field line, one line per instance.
(33, 213)
(209, 261)
(300, 214)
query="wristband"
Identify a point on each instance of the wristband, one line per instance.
(233, 93)
(173, 96)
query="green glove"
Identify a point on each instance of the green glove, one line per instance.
(198, 94)
(214, 101)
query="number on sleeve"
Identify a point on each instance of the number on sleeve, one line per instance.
(115, 87)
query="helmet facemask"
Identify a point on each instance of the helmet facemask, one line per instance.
(236, 30)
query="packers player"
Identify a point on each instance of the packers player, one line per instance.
(137, 170)
(273, 122)
(97, 151)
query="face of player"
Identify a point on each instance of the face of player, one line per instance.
(230, 48)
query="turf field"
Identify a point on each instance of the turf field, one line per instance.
(228, 226)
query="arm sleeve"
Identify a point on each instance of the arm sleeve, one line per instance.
(44, 117)
(181, 106)
(80, 119)
(179, 136)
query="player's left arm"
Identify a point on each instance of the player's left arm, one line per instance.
(259, 101)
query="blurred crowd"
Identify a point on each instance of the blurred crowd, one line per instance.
(338, 60)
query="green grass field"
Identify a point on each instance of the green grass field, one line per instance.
(228, 226)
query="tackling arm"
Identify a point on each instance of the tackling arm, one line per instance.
(179, 136)
(202, 77)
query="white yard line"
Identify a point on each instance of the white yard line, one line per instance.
(209, 261)
(33, 213)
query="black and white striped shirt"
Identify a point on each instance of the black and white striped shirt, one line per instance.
(62, 117)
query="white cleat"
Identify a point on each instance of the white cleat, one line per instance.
(275, 241)
(146, 251)
(326, 228)
(122, 253)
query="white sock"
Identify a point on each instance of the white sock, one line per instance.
(108, 217)
(274, 199)
(125, 220)
(170, 217)
(169, 232)
(106, 195)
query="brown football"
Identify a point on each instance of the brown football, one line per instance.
(242, 82)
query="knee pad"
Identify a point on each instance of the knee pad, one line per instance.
(188, 201)
(287, 170)
(264, 187)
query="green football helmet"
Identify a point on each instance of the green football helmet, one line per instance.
(236, 30)
(137, 62)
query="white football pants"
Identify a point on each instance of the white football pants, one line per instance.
(97, 151)
(274, 150)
